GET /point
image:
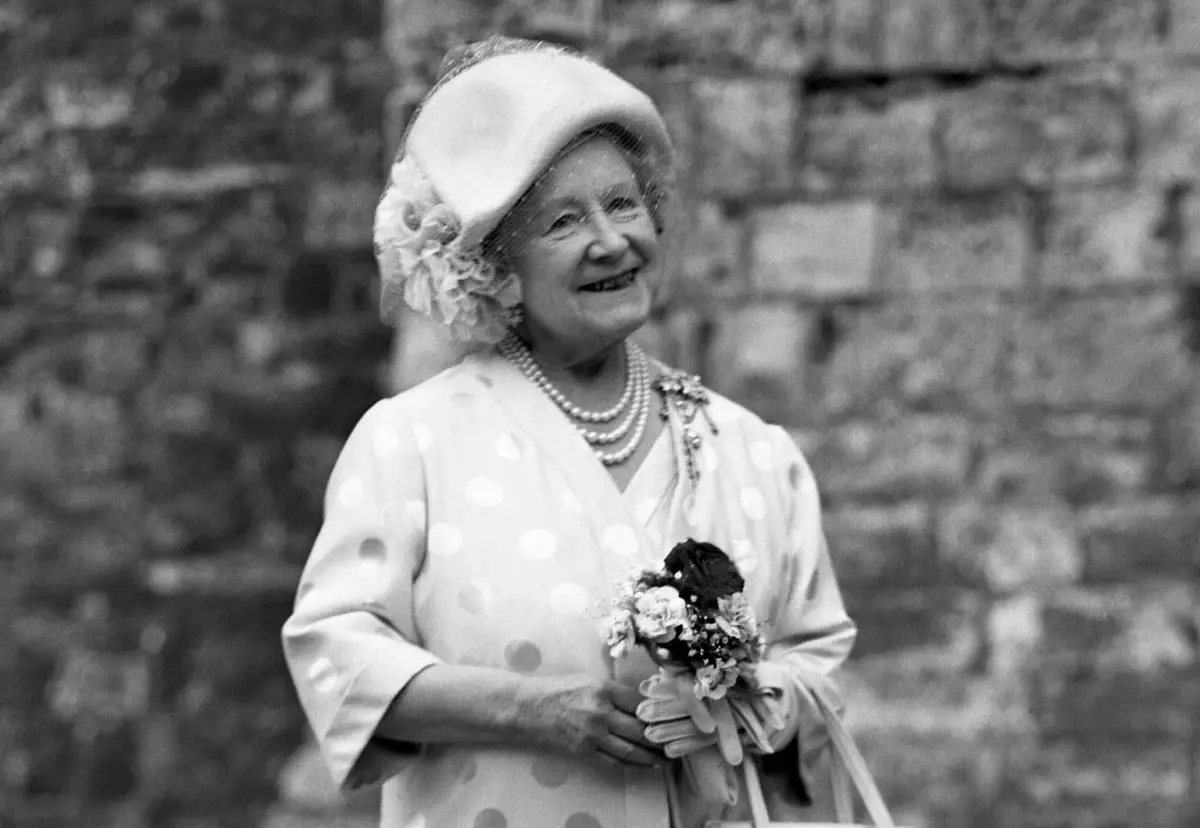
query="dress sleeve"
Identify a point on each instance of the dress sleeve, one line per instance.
(810, 635)
(351, 642)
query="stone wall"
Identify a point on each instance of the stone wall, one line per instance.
(954, 244)
(187, 333)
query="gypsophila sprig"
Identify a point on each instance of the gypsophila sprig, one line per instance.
(692, 614)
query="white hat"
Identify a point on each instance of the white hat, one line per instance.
(499, 114)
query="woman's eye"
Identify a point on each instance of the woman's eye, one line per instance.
(562, 222)
(623, 203)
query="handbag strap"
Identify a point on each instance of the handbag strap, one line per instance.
(849, 770)
(849, 762)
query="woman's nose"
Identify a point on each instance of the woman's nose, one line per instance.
(609, 242)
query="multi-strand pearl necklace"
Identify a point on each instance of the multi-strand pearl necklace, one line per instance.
(634, 402)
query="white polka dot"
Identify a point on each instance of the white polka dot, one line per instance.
(444, 540)
(569, 599)
(645, 509)
(571, 501)
(476, 597)
(323, 675)
(506, 448)
(744, 556)
(752, 503)
(620, 540)
(350, 493)
(708, 458)
(414, 514)
(483, 491)
(538, 544)
(423, 436)
(386, 441)
(761, 456)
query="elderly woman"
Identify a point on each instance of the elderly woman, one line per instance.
(447, 635)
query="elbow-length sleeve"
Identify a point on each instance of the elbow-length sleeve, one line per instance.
(351, 643)
(811, 635)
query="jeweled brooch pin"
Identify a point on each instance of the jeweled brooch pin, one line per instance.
(688, 397)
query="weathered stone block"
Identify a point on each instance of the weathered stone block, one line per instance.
(114, 360)
(341, 215)
(882, 546)
(704, 255)
(913, 457)
(759, 357)
(576, 22)
(1149, 537)
(1105, 236)
(676, 338)
(916, 353)
(854, 144)
(758, 36)
(1050, 30)
(1181, 444)
(853, 35)
(416, 33)
(1078, 458)
(958, 243)
(112, 687)
(1109, 785)
(1011, 549)
(1065, 129)
(1184, 17)
(826, 250)
(1108, 352)
(1014, 634)
(934, 34)
(80, 100)
(904, 634)
(1189, 253)
(1136, 629)
(747, 136)
(1168, 106)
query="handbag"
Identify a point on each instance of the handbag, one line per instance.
(849, 770)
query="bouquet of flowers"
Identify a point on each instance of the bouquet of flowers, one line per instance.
(692, 616)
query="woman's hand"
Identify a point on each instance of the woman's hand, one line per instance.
(587, 717)
(683, 724)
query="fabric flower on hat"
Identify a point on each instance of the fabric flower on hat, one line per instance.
(424, 265)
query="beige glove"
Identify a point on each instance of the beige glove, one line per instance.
(683, 723)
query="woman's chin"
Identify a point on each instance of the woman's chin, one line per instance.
(618, 314)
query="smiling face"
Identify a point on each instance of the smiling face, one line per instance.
(585, 249)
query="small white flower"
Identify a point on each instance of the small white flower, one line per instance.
(660, 613)
(620, 633)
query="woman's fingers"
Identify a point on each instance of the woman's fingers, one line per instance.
(624, 697)
(615, 748)
(665, 732)
(661, 710)
(695, 706)
(727, 732)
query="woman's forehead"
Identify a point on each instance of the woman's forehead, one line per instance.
(594, 166)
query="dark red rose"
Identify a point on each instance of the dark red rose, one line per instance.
(703, 571)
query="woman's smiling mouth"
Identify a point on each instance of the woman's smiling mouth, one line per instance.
(618, 282)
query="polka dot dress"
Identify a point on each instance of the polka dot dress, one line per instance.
(468, 523)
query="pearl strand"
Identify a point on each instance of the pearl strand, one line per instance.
(615, 458)
(638, 370)
(637, 387)
(515, 351)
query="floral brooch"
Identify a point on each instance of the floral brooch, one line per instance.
(686, 396)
